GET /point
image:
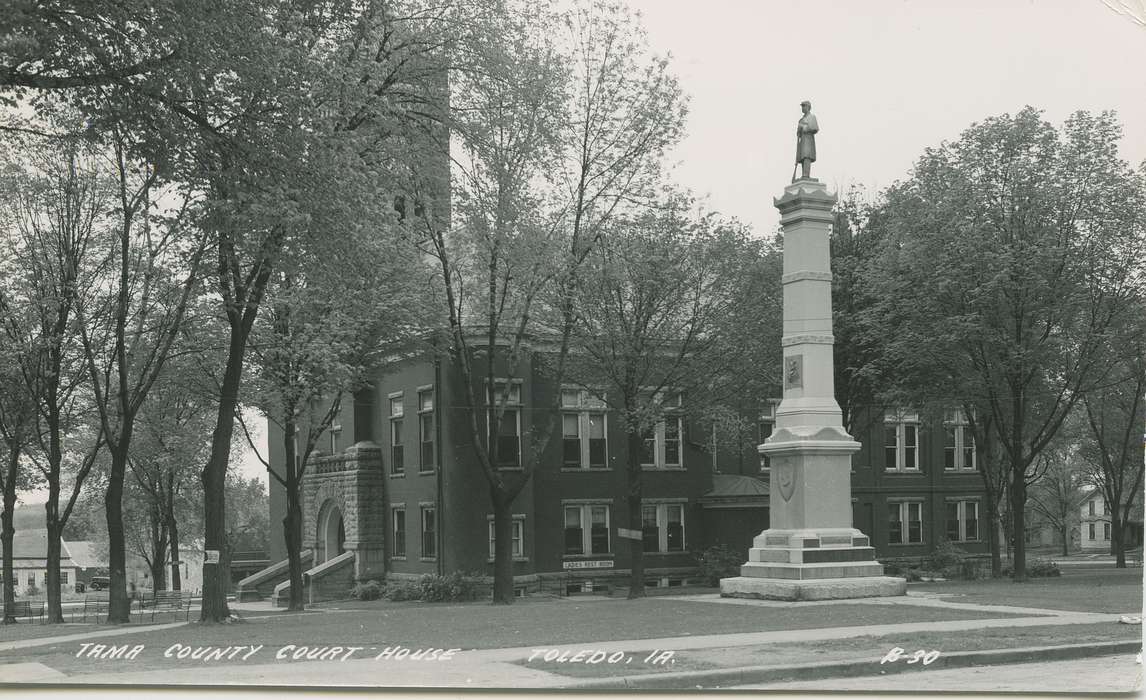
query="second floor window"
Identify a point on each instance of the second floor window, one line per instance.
(583, 444)
(426, 430)
(663, 442)
(397, 458)
(335, 436)
(508, 435)
(958, 443)
(901, 443)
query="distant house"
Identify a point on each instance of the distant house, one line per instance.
(90, 559)
(1094, 517)
(30, 563)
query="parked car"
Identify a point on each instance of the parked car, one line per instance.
(99, 583)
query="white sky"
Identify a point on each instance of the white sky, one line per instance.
(886, 78)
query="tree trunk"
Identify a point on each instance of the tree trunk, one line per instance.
(1066, 540)
(119, 605)
(7, 533)
(292, 525)
(1117, 538)
(633, 500)
(52, 580)
(992, 523)
(1018, 526)
(173, 533)
(502, 546)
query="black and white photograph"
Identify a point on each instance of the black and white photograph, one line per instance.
(604, 346)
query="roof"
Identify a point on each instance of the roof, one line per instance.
(729, 488)
(33, 544)
(86, 554)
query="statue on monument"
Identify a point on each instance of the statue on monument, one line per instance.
(806, 130)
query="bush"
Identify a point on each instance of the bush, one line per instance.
(717, 562)
(371, 590)
(451, 587)
(946, 559)
(1036, 568)
(399, 591)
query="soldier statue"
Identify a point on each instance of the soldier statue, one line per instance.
(806, 130)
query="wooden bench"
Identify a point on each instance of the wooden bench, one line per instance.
(169, 601)
(26, 608)
(95, 604)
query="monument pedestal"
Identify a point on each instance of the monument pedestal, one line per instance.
(812, 552)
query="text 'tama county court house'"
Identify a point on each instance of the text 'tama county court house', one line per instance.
(396, 490)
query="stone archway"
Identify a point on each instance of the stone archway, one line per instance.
(331, 532)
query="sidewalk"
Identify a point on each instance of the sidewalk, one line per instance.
(501, 668)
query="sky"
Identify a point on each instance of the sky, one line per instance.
(886, 79)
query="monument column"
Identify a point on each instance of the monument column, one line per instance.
(810, 550)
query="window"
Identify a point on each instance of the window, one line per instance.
(962, 521)
(765, 427)
(583, 431)
(398, 518)
(1105, 531)
(32, 580)
(663, 527)
(397, 410)
(518, 551)
(426, 430)
(905, 522)
(587, 529)
(901, 443)
(1105, 507)
(429, 532)
(1091, 508)
(335, 434)
(1091, 532)
(509, 428)
(958, 443)
(662, 443)
(64, 574)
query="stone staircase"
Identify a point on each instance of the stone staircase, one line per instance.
(262, 584)
(330, 580)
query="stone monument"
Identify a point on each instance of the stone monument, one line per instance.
(810, 550)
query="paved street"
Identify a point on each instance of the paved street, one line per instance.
(1103, 674)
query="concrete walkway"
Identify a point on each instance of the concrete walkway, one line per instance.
(500, 668)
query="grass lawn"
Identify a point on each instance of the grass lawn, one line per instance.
(1104, 590)
(378, 624)
(871, 647)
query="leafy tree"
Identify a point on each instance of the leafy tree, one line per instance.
(1008, 260)
(1056, 492)
(327, 318)
(53, 210)
(655, 293)
(1115, 414)
(564, 122)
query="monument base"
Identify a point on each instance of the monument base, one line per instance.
(811, 564)
(812, 589)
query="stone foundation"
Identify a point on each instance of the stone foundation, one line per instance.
(812, 589)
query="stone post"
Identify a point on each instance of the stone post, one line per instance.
(810, 550)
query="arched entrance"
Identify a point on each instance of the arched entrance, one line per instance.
(331, 533)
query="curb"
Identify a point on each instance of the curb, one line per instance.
(744, 675)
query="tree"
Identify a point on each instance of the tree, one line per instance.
(17, 414)
(327, 317)
(655, 293)
(1115, 414)
(54, 209)
(130, 324)
(1056, 492)
(548, 158)
(1009, 258)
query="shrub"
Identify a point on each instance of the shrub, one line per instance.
(946, 559)
(913, 575)
(399, 591)
(1040, 568)
(370, 590)
(717, 562)
(453, 586)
